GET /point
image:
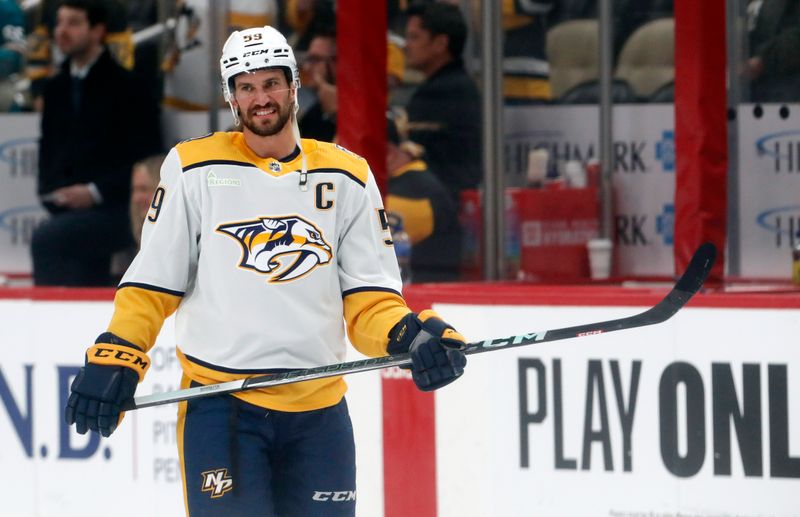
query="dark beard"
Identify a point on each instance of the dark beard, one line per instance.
(274, 129)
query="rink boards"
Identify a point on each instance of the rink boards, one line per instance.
(697, 416)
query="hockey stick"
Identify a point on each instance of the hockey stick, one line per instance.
(684, 289)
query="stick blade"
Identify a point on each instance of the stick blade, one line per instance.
(698, 269)
(687, 285)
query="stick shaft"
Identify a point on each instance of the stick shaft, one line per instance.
(689, 283)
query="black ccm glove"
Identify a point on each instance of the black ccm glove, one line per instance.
(435, 348)
(113, 369)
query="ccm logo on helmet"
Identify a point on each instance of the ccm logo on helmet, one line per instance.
(346, 495)
(255, 53)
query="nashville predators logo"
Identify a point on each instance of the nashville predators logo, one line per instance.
(217, 482)
(283, 247)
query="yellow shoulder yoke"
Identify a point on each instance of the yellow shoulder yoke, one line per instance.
(326, 155)
(214, 146)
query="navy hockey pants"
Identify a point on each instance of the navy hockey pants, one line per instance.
(244, 460)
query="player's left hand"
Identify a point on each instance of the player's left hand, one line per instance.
(436, 349)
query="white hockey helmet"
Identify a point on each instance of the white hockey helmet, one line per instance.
(255, 49)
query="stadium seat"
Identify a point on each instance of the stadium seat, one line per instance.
(572, 54)
(647, 59)
(588, 92)
(665, 94)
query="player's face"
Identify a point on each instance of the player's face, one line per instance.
(264, 100)
(73, 34)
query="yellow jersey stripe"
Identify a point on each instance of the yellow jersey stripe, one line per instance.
(370, 315)
(140, 311)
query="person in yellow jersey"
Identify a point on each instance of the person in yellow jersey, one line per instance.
(418, 200)
(270, 250)
(526, 72)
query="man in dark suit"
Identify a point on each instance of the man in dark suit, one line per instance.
(445, 110)
(97, 121)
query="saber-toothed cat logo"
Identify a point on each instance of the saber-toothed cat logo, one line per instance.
(283, 247)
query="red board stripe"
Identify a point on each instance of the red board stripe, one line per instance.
(409, 448)
(701, 137)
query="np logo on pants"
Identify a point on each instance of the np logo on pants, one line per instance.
(217, 482)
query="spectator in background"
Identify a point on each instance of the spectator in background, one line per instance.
(399, 89)
(426, 209)
(395, 60)
(12, 50)
(526, 71)
(525, 68)
(444, 112)
(43, 61)
(307, 18)
(319, 75)
(145, 177)
(97, 121)
(774, 65)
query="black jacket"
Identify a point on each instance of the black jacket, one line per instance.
(444, 116)
(776, 39)
(117, 124)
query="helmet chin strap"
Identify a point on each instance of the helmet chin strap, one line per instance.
(234, 113)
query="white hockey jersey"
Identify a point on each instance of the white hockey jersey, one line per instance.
(261, 272)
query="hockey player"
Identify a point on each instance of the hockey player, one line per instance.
(260, 243)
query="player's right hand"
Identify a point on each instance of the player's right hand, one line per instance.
(96, 396)
(108, 379)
